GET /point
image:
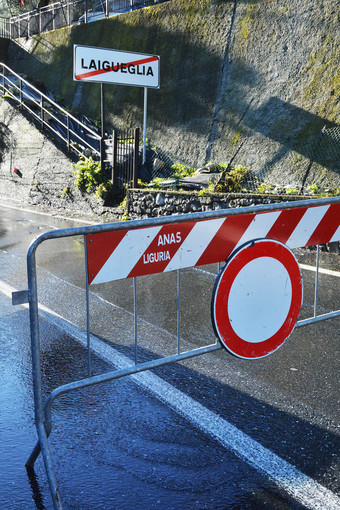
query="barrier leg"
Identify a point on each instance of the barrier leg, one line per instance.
(43, 425)
(36, 450)
(52, 481)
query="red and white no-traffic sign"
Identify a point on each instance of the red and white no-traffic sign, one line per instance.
(257, 299)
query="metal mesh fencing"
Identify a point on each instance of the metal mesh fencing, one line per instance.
(312, 168)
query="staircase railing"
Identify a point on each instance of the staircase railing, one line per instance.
(78, 137)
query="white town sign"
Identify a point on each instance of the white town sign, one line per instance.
(103, 65)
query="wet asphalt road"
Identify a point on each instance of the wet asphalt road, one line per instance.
(119, 446)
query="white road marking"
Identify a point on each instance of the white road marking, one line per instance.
(330, 272)
(298, 485)
(41, 213)
(306, 267)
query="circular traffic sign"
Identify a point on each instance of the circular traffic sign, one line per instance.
(257, 298)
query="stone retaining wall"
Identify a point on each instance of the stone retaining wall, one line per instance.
(150, 204)
(153, 203)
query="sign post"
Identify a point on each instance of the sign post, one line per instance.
(104, 65)
(144, 123)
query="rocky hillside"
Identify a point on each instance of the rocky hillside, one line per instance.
(35, 171)
(261, 72)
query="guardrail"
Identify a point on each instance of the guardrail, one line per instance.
(52, 118)
(63, 14)
(242, 237)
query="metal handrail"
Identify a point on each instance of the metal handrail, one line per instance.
(52, 109)
(35, 12)
(20, 24)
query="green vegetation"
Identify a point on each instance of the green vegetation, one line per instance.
(90, 178)
(264, 187)
(207, 191)
(156, 183)
(314, 189)
(246, 21)
(35, 185)
(180, 171)
(124, 205)
(292, 191)
(233, 181)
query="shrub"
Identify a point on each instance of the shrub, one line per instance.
(233, 181)
(90, 178)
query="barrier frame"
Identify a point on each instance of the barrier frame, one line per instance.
(43, 419)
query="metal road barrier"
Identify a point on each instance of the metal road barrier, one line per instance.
(255, 244)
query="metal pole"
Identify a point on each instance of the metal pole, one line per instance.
(316, 280)
(102, 117)
(37, 386)
(144, 123)
(68, 13)
(114, 159)
(88, 335)
(178, 311)
(135, 316)
(102, 143)
(135, 158)
(102, 154)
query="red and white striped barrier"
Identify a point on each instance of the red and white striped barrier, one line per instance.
(128, 253)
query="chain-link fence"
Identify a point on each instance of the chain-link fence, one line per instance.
(312, 169)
